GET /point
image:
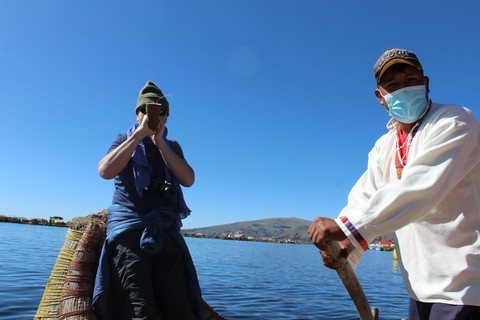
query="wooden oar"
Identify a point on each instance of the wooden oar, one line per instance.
(351, 283)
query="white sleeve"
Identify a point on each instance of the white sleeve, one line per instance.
(368, 184)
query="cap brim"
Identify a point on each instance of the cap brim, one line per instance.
(391, 63)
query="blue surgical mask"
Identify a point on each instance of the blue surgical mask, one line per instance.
(408, 104)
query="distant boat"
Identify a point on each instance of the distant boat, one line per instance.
(376, 247)
(289, 241)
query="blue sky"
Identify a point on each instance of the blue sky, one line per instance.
(273, 101)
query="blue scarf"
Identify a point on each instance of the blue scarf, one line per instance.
(142, 173)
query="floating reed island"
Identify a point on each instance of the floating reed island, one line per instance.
(69, 290)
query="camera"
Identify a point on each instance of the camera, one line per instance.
(162, 187)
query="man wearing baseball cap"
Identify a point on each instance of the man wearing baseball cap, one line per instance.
(423, 183)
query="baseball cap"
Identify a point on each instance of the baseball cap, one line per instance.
(393, 56)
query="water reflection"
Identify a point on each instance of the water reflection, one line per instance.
(255, 280)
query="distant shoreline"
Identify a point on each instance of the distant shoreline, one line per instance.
(37, 221)
(193, 235)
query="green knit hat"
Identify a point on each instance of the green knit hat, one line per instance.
(150, 93)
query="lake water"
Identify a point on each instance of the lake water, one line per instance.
(240, 279)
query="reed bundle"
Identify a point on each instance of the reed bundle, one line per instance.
(48, 308)
(85, 234)
(76, 299)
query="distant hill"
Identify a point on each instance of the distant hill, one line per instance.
(299, 234)
(273, 228)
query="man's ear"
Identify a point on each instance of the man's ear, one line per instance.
(427, 84)
(381, 99)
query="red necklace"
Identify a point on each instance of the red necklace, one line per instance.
(402, 151)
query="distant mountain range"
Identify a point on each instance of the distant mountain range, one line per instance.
(273, 228)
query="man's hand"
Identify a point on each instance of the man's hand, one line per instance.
(157, 137)
(143, 128)
(346, 247)
(323, 230)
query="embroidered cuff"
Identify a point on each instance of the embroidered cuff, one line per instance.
(361, 241)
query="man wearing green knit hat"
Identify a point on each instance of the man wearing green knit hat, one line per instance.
(150, 93)
(146, 270)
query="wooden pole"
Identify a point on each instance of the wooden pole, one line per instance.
(353, 286)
